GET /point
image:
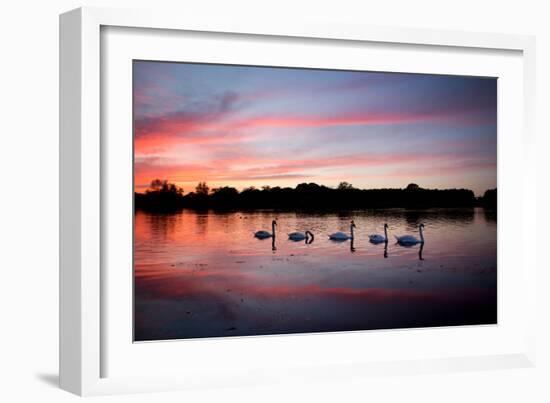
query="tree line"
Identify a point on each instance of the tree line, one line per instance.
(164, 196)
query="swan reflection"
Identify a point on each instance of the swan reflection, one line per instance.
(411, 244)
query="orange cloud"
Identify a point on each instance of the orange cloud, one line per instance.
(247, 168)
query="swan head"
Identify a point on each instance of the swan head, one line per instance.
(274, 222)
(353, 224)
(386, 225)
(421, 226)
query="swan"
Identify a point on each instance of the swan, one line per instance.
(267, 234)
(341, 236)
(377, 238)
(408, 240)
(300, 236)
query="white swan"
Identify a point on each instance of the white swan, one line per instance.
(342, 236)
(267, 234)
(300, 236)
(408, 240)
(377, 238)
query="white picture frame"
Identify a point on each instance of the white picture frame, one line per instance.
(85, 345)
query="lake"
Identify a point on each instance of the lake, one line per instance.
(203, 274)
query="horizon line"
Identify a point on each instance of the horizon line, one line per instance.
(148, 186)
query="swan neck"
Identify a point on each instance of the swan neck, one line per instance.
(386, 232)
(421, 235)
(273, 229)
(351, 230)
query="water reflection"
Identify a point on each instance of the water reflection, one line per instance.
(204, 275)
(351, 242)
(202, 223)
(490, 215)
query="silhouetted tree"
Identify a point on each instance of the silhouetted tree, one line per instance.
(161, 196)
(489, 199)
(224, 197)
(157, 185)
(164, 196)
(345, 186)
(202, 189)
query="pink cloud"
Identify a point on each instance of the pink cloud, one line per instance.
(161, 133)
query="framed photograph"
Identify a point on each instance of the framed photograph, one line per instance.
(251, 203)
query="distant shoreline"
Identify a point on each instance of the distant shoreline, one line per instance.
(374, 210)
(166, 197)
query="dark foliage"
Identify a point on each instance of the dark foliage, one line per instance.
(489, 199)
(163, 196)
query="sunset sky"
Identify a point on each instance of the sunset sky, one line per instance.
(255, 126)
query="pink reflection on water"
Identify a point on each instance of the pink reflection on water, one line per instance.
(199, 274)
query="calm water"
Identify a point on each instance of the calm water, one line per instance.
(205, 275)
